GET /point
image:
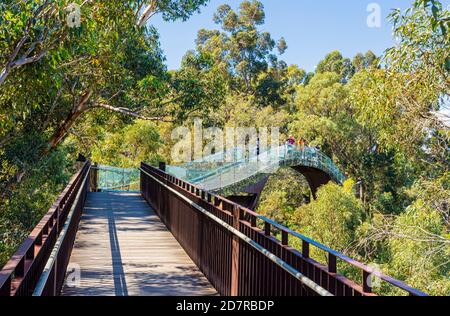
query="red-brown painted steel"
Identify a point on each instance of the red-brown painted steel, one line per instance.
(215, 249)
(20, 275)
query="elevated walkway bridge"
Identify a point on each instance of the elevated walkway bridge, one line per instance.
(168, 236)
(241, 170)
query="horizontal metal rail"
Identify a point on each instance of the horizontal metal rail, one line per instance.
(120, 186)
(285, 266)
(344, 258)
(20, 275)
(334, 283)
(44, 280)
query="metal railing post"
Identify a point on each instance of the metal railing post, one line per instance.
(235, 255)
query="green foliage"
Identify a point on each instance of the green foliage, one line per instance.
(178, 9)
(205, 87)
(334, 62)
(419, 70)
(128, 147)
(331, 219)
(424, 39)
(420, 247)
(91, 67)
(344, 67)
(419, 239)
(25, 205)
(413, 246)
(244, 54)
(283, 194)
(369, 59)
(324, 96)
(239, 111)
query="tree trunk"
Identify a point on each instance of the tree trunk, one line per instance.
(62, 131)
(3, 74)
(64, 128)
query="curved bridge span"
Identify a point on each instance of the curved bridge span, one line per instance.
(237, 171)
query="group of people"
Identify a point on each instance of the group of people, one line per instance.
(292, 142)
(301, 143)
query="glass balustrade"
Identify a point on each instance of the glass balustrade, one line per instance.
(225, 169)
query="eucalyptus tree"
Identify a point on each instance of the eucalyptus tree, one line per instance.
(61, 71)
(98, 64)
(240, 49)
(401, 101)
(31, 29)
(346, 67)
(326, 116)
(364, 61)
(335, 62)
(423, 54)
(169, 9)
(28, 31)
(423, 34)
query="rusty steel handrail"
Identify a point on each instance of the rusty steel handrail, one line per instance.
(366, 269)
(50, 283)
(278, 261)
(21, 273)
(248, 220)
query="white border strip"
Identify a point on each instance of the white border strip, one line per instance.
(285, 266)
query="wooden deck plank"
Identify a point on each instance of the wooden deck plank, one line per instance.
(122, 248)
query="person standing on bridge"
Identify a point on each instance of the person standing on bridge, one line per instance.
(258, 147)
(301, 143)
(290, 143)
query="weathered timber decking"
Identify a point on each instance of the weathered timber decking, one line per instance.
(122, 248)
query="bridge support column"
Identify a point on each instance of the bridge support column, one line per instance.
(315, 178)
(235, 255)
(254, 191)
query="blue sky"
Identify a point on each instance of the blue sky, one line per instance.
(312, 28)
